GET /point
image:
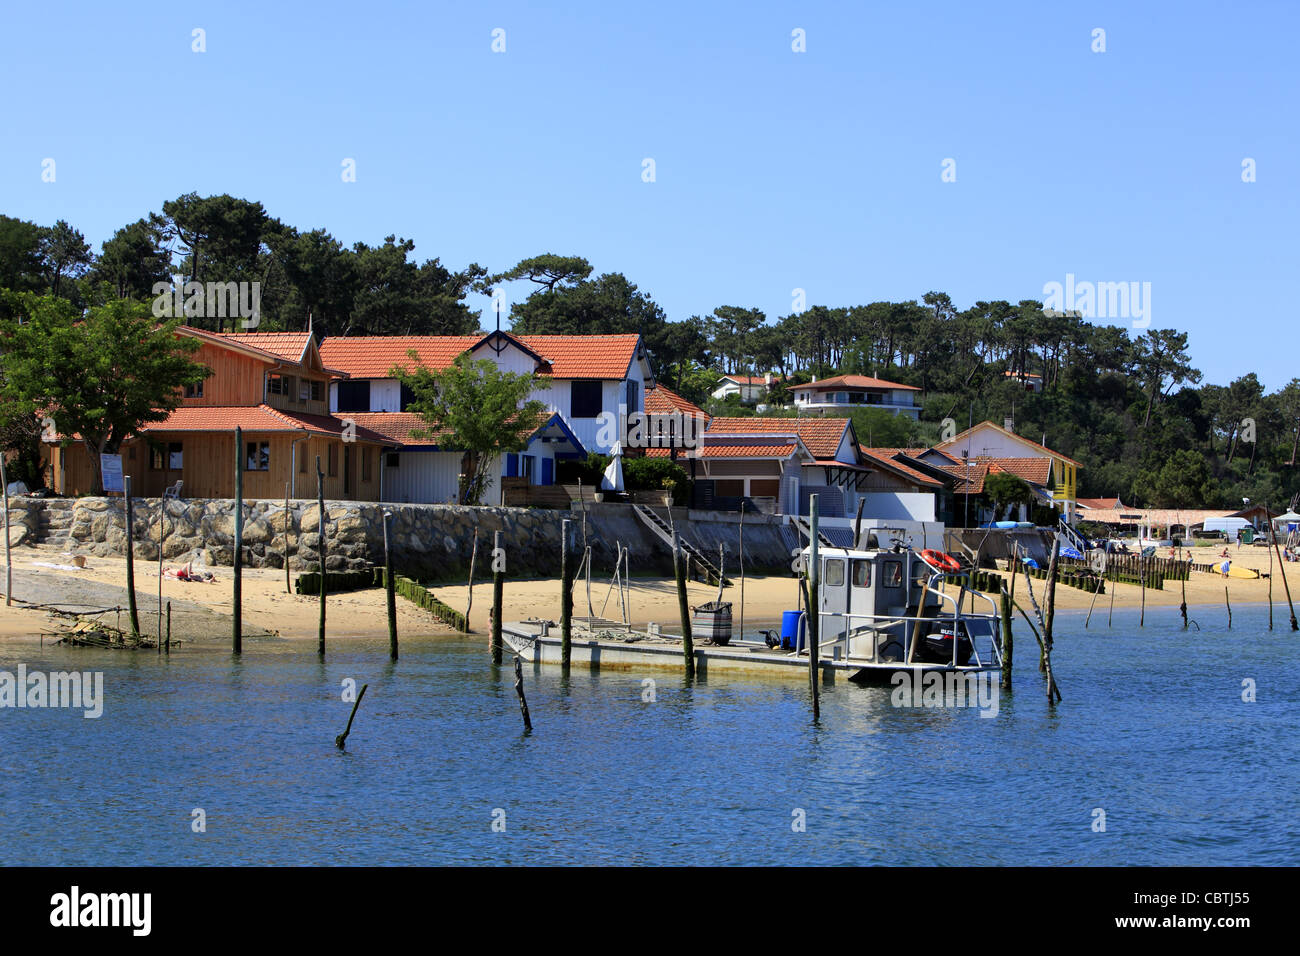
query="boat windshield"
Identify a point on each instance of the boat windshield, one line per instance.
(862, 573)
(891, 573)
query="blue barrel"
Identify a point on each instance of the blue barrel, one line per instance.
(790, 629)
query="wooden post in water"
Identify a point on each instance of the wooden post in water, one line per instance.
(1008, 643)
(288, 585)
(320, 548)
(1270, 571)
(390, 587)
(688, 649)
(130, 561)
(1281, 568)
(814, 606)
(1228, 604)
(1142, 577)
(1049, 615)
(1095, 591)
(1183, 607)
(566, 595)
(238, 559)
(498, 587)
(742, 571)
(519, 690)
(342, 738)
(9, 564)
(162, 540)
(469, 602)
(169, 627)
(1111, 615)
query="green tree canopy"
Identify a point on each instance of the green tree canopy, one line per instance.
(99, 376)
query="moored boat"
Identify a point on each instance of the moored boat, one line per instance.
(880, 608)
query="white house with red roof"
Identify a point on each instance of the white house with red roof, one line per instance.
(593, 382)
(842, 392)
(750, 388)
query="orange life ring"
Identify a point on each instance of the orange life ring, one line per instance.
(940, 560)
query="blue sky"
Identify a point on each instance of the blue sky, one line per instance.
(774, 170)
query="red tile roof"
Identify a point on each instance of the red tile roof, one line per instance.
(749, 379)
(855, 381)
(1033, 470)
(662, 401)
(252, 418)
(395, 427)
(290, 346)
(746, 451)
(1099, 504)
(821, 435)
(884, 457)
(569, 356)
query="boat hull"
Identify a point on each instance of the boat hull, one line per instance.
(737, 657)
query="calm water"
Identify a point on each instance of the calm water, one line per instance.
(1153, 730)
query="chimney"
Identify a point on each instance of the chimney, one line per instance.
(767, 379)
(814, 378)
(1009, 424)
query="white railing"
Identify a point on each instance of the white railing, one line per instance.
(875, 623)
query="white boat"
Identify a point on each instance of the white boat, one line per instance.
(881, 609)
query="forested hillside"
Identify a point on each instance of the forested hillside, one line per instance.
(1127, 403)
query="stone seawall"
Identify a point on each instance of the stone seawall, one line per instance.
(429, 542)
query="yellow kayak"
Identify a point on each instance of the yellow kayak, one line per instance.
(1236, 572)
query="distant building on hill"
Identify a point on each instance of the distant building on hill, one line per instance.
(750, 388)
(844, 392)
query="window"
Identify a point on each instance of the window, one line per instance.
(302, 461)
(834, 573)
(304, 390)
(317, 391)
(891, 575)
(165, 457)
(391, 459)
(584, 399)
(277, 384)
(258, 456)
(633, 397)
(333, 461)
(862, 574)
(407, 396)
(194, 391)
(529, 461)
(354, 396)
(365, 464)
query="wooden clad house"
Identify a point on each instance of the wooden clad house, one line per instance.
(274, 387)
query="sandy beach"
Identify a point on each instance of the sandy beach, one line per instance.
(266, 605)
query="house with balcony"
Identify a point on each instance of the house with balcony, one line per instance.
(274, 387)
(844, 392)
(592, 382)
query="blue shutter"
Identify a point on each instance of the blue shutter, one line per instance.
(548, 471)
(512, 466)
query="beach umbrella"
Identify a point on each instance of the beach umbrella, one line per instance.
(613, 477)
(1068, 552)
